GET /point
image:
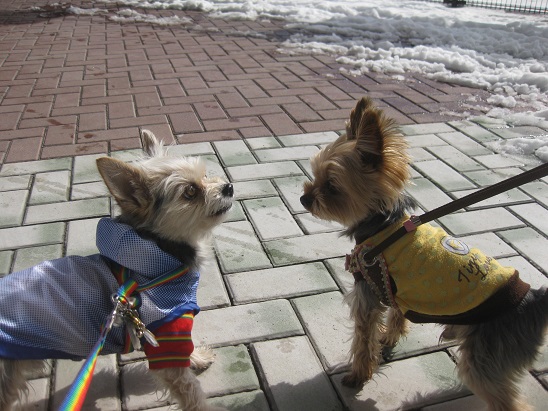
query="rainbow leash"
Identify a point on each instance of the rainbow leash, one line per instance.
(77, 393)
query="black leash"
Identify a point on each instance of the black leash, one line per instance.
(473, 198)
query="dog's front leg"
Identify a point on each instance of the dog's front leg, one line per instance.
(366, 311)
(184, 389)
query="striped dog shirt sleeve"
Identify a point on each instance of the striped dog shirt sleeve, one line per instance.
(175, 344)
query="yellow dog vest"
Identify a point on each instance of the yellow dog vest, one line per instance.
(428, 273)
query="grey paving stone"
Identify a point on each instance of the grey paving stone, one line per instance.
(473, 130)
(238, 248)
(231, 372)
(519, 131)
(424, 140)
(236, 213)
(478, 221)
(85, 169)
(413, 129)
(234, 153)
(489, 177)
(253, 189)
(15, 183)
(445, 176)
(427, 194)
(50, 187)
(5, 262)
(33, 167)
(282, 282)
(211, 289)
(464, 143)
(313, 225)
(89, 190)
(422, 338)
(414, 173)
(268, 170)
(257, 143)
(246, 323)
(324, 137)
(344, 279)
(455, 158)
(271, 218)
(308, 248)
(69, 210)
(13, 205)
(213, 167)
(244, 401)
(512, 196)
(28, 236)
(103, 392)
(326, 319)
(81, 237)
(291, 190)
(307, 167)
(534, 214)
(286, 153)
(139, 389)
(190, 149)
(526, 271)
(306, 386)
(498, 161)
(127, 155)
(37, 396)
(28, 257)
(538, 190)
(408, 384)
(530, 244)
(531, 388)
(420, 154)
(490, 244)
(470, 402)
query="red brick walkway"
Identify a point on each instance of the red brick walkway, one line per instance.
(73, 85)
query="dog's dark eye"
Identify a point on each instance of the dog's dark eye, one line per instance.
(331, 188)
(190, 192)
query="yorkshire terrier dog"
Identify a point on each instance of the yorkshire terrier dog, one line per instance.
(57, 308)
(498, 321)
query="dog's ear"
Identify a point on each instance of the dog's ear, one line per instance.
(151, 146)
(127, 184)
(368, 125)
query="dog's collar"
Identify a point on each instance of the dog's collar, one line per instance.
(122, 275)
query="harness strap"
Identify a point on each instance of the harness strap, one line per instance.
(79, 388)
(473, 198)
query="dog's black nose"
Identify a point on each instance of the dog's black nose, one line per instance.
(307, 200)
(228, 190)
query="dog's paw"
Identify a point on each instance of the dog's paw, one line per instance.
(352, 381)
(201, 358)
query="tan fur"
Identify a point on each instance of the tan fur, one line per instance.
(364, 173)
(172, 199)
(346, 200)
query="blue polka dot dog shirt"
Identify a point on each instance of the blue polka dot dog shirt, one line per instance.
(56, 309)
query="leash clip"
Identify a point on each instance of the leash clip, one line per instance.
(412, 224)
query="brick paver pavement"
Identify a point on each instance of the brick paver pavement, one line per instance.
(74, 88)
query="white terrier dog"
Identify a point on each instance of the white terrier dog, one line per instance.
(57, 308)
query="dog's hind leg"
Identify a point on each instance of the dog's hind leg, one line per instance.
(496, 354)
(184, 388)
(365, 351)
(489, 378)
(13, 382)
(396, 327)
